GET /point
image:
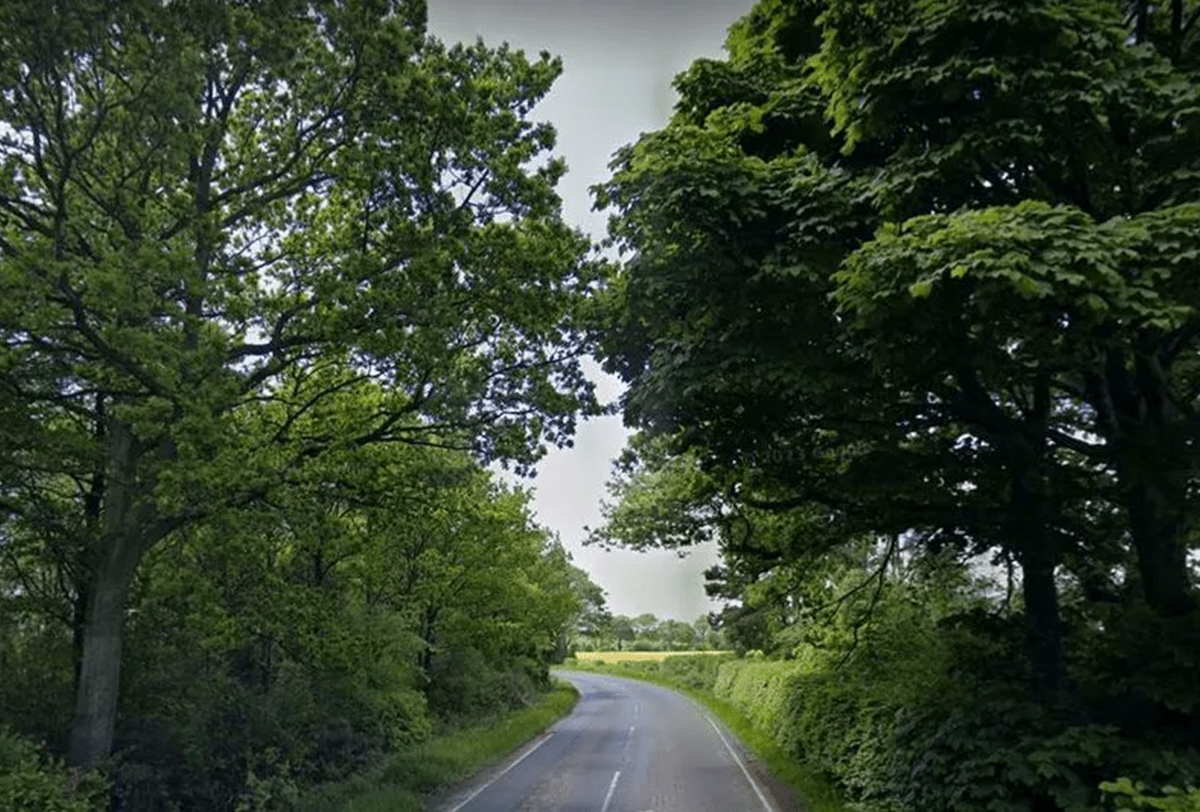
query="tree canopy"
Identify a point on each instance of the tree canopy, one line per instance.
(909, 278)
(238, 241)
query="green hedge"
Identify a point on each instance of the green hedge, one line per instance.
(768, 693)
(697, 671)
(957, 746)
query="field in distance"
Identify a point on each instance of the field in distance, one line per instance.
(644, 656)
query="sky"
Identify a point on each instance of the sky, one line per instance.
(619, 57)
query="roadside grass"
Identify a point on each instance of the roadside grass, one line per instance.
(813, 789)
(636, 656)
(402, 781)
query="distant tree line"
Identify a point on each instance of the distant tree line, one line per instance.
(604, 632)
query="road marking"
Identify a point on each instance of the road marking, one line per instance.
(636, 709)
(749, 778)
(611, 789)
(500, 774)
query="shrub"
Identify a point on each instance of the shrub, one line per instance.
(32, 782)
(694, 670)
(898, 735)
(463, 683)
(1131, 796)
(762, 690)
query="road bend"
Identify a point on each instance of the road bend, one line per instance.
(627, 747)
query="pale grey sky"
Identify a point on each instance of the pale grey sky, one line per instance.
(619, 57)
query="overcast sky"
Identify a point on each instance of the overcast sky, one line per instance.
(619, 57)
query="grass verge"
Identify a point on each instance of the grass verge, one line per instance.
(401, 783)
(814, 791)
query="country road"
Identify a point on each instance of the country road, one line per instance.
(628, 747)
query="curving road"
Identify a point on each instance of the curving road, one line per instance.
(628, 747)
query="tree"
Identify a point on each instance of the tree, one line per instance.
(388, 588)
(215, 217)
(964, 388)
(592, 619)
(677, 635)
(622, 630)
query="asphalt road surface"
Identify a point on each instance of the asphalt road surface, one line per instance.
(628, 747)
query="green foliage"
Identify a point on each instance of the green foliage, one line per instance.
(907, 301)
(1129, 796)
(384, 594)
(230, 265)
(693, 671)
(910, 719)
(400, 781)
(31, 782)
(761, 690)
(36, 692)
(648, 633)
(698, 672)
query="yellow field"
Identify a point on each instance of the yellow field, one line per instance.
(652, 656)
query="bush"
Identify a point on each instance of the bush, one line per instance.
(222, 743)
(32, 782)
(464, 683)
(37, 691)
(765, 692)
(697, 671)
(895, 735)
(1131, 796)
(643, 644)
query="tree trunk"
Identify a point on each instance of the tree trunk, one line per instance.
(1162, 560)
(1044, 622)
(1141, 13)
(428, 637)
(1038, 552)
(100, 665)
(79, 615)
(1152, 451)
(1039, 556)
(128, 531)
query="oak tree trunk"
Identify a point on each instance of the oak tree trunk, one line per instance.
(127, 532)
(99, 682)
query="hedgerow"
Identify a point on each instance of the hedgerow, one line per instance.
(967, 741)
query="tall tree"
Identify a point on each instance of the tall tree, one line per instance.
(1028, 350)
(207, 206)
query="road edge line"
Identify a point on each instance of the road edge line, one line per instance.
(762, 798)
(501, 774)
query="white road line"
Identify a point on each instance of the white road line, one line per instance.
(749, 778)
(636, 708)
(500, 774)
(611, 789)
